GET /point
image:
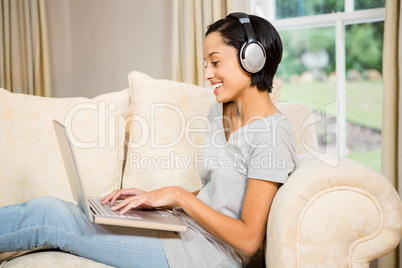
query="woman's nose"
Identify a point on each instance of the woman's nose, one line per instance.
(208, 74)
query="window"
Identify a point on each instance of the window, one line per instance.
(332, 60)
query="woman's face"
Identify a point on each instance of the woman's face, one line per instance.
(223, 70)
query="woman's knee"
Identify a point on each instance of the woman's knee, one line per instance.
(46, 202)
(50, 206)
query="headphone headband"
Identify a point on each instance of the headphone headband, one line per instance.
(245, 22)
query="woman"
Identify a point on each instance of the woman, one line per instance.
(249, 155)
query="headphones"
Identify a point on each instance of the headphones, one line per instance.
(252, 53)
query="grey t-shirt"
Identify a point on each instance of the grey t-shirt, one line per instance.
(264, 150)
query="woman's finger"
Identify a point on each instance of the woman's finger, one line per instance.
(131, 202)
(124, 203)
(121, 194)
(108, 197)
(135, 203)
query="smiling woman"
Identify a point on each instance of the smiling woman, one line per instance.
(227, 217)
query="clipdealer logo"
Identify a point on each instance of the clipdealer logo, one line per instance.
(111, 129)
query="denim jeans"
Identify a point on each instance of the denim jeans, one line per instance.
(51, 222)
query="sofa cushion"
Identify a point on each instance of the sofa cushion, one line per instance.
(30, 161)
(303, 121)
(167, 127)
(52, 258)
(163, 140)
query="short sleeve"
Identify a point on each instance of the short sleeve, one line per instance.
(273, 156)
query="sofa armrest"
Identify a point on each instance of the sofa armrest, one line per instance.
(343, 216)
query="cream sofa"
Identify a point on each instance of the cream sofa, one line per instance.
(332, 212)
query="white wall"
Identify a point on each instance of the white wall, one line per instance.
(94, 44)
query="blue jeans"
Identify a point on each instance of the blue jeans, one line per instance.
(55, 223)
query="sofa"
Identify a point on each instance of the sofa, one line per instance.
(332, 211)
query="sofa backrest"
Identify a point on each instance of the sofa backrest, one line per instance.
(30, 161)
(302, 118)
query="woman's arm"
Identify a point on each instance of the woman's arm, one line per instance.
(196, 192)
(246, 234)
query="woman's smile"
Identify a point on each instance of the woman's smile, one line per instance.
(216, 87)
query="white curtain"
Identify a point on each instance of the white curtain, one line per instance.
(392, 111)
(190, 21)
(24, 56)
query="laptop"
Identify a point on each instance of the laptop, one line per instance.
(158, 219)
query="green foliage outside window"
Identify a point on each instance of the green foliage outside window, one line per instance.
(298, 8)
(362, 43)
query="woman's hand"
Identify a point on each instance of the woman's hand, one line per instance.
(121, 195)
(132, 198)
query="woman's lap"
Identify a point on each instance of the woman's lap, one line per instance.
(55, 223)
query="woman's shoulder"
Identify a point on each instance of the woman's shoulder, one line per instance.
(274, 126)
(272, 121)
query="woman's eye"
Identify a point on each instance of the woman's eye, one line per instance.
(214, 63)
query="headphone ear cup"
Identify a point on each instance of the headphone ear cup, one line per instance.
(252, 57)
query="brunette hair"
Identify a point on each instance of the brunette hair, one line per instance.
(234, 35)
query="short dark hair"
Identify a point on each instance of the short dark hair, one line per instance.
(233, 34)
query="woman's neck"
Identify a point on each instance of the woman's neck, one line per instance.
(253, 106)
